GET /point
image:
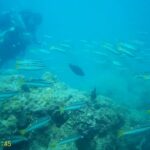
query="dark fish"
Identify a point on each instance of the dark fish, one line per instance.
(25, 88)
(76, 70)
(93, 94)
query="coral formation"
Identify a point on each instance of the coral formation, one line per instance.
(97, 121)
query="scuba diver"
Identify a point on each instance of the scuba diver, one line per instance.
(17, 32)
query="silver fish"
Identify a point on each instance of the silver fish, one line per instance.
(75, 106)
(136, 131)
(70, 139)
(37, 83)
(36, 125)
(14, 139)
(7, 94)
(29, 65)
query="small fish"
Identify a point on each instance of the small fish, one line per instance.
(128, 46)
(65, 45)
(70, 139)
(27, 61)
(35, 83)
(15, 139)
(93, 94)
(102, 54)
(111, 49)
(48, 36)
(36, 125)
(76, 70)
(74, 106)
(57, 49)
(45, 51)
(144, 76)
(116, 63)
(30, 68)
(134, 131)
(125, 51)
(7, 94)
(29, 65)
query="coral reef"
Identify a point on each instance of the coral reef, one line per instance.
(98, 121)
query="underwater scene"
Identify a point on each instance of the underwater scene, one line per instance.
(74, 75)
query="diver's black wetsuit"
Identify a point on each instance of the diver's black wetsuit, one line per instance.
(17, 31)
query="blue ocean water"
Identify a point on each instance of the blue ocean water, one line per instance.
(95, 22)
(107, 40)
